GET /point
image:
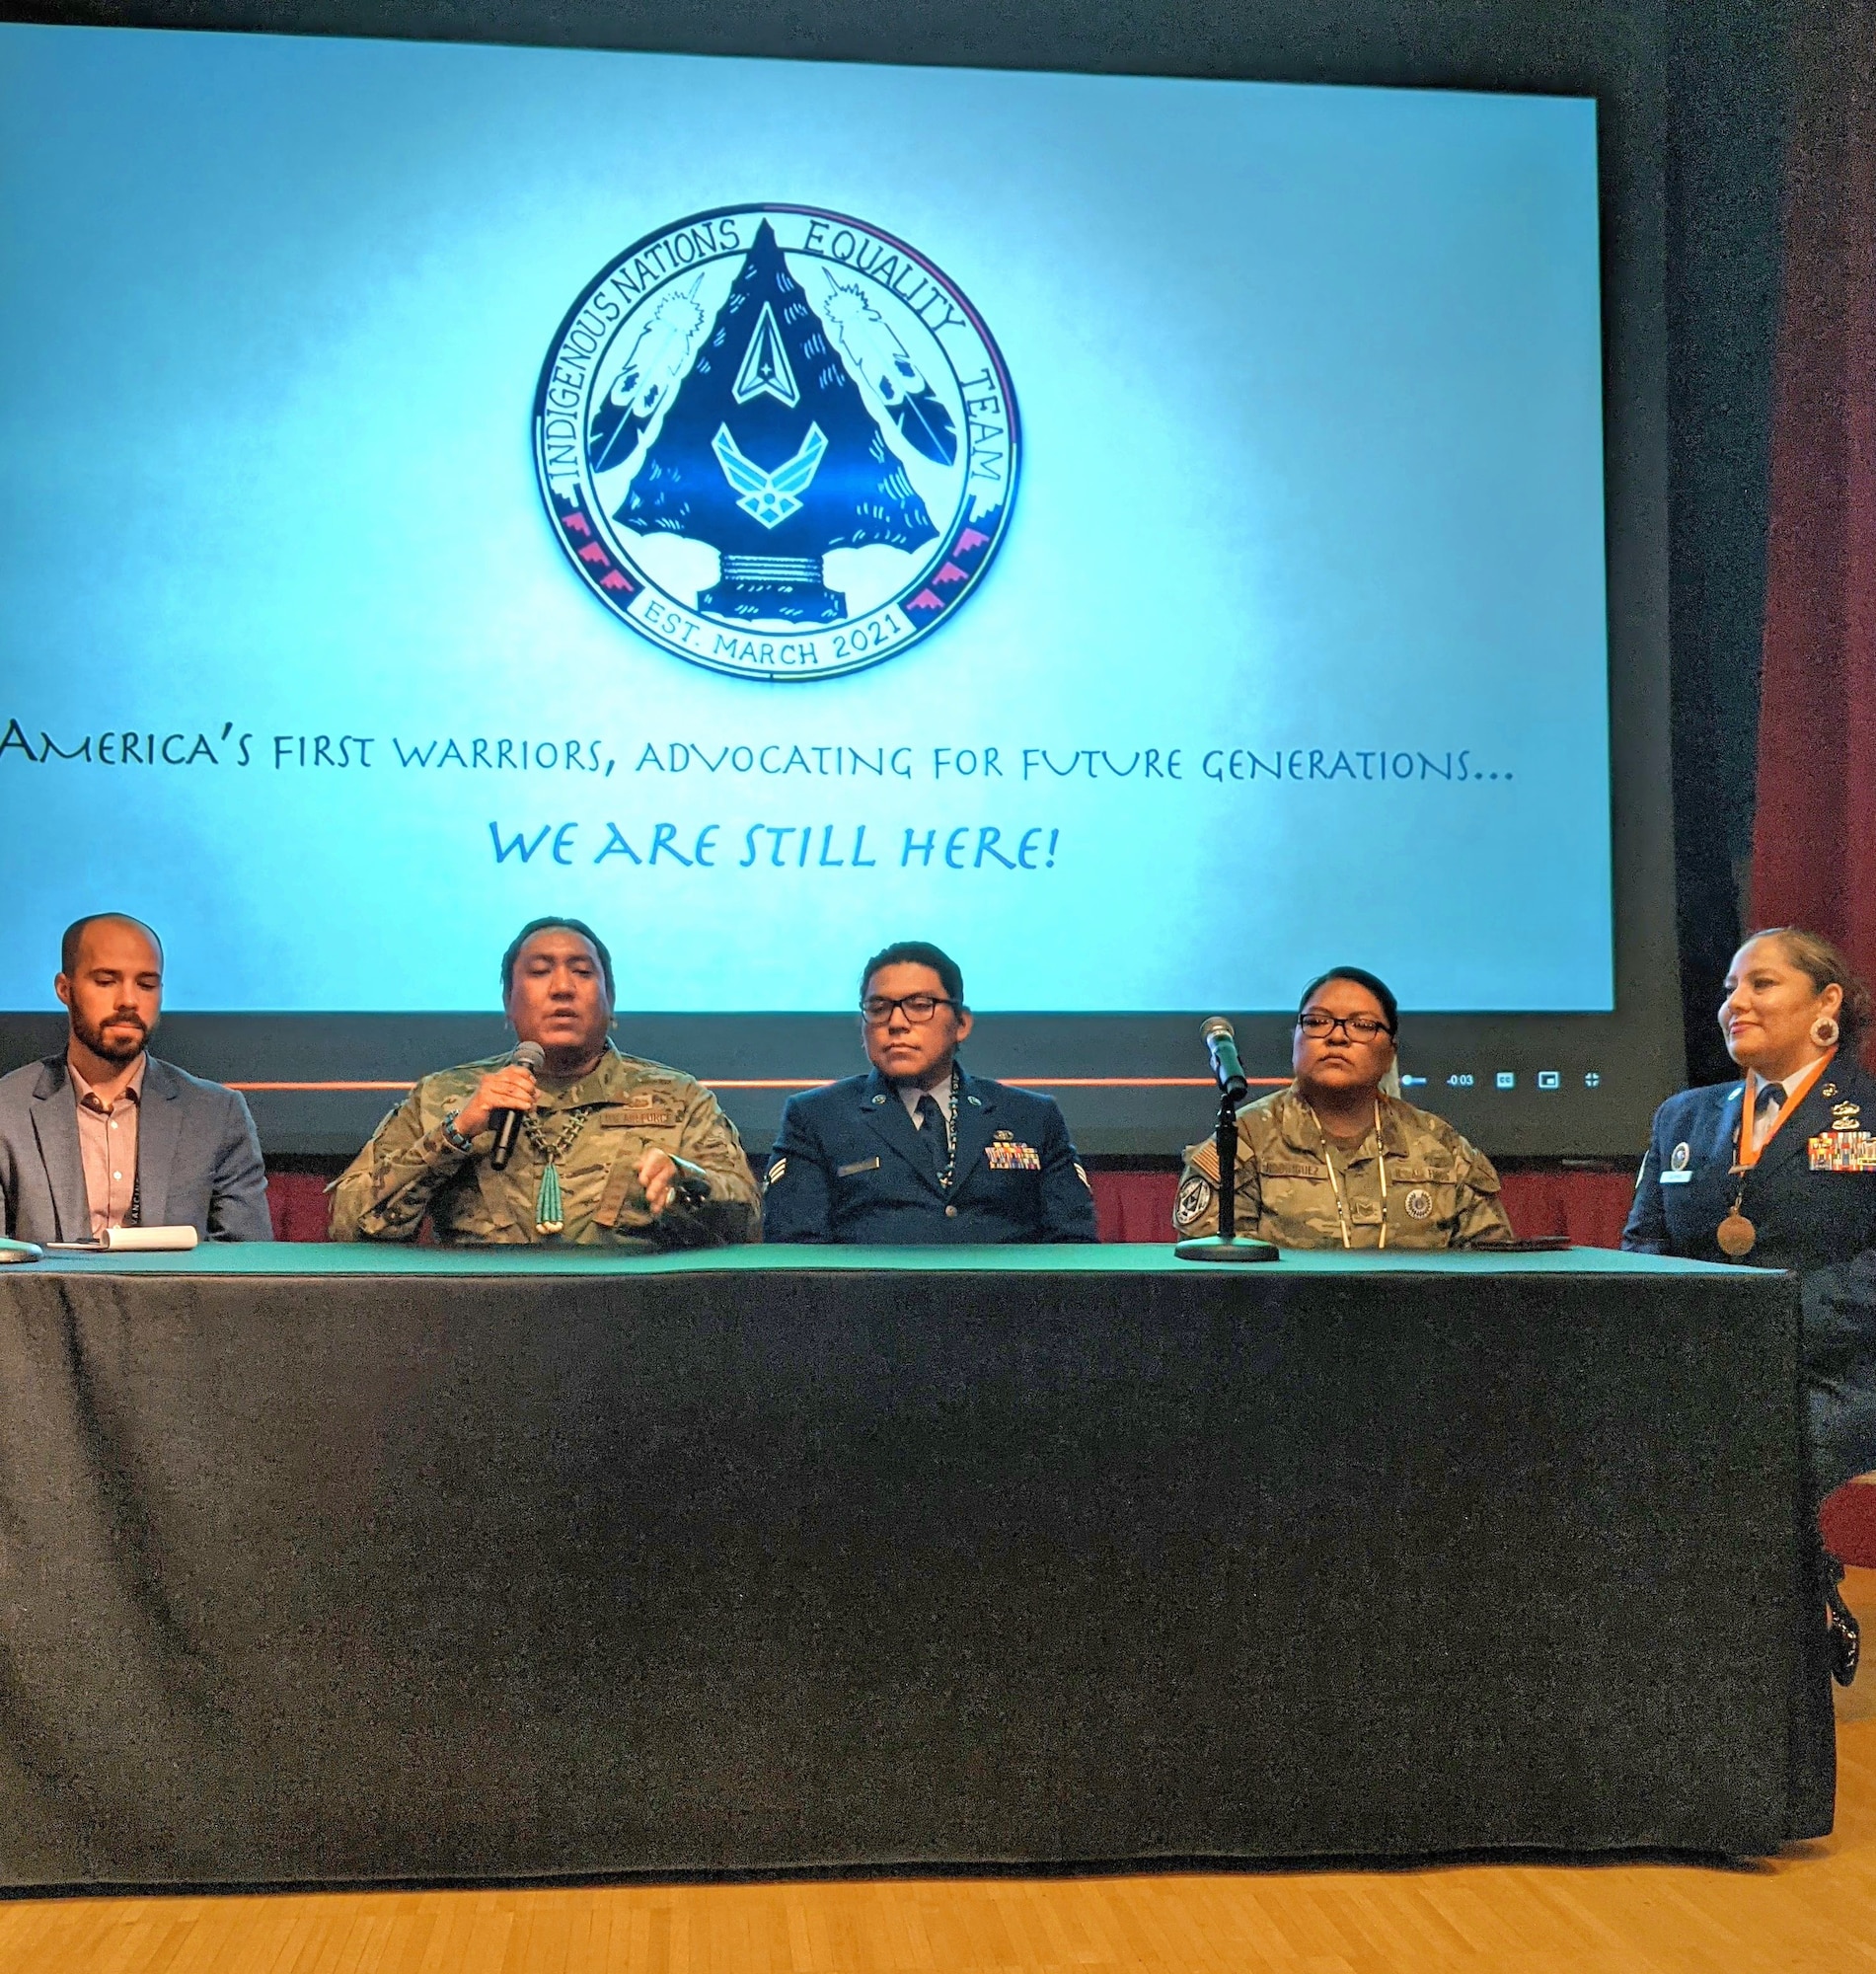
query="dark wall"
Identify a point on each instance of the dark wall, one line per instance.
(1729, 86)
(1525, 45)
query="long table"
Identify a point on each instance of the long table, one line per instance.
(352, 1563)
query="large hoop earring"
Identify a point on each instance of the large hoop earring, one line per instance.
(1824, 1031)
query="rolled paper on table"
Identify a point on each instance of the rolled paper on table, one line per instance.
(151, 1240)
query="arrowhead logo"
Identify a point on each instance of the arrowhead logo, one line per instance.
(777, 441)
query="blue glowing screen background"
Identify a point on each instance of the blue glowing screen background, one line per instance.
(1144, 535)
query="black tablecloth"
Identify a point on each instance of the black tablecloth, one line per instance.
(476, 1568)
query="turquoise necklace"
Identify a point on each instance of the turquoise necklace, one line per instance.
(548, 1212)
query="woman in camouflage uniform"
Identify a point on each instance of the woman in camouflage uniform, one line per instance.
(1334, 1161)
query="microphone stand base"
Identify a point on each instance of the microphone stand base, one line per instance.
(1215, 1249)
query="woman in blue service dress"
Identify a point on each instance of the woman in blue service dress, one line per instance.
(1779, 1172)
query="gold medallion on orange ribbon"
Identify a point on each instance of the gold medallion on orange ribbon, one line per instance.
(1736, 1234)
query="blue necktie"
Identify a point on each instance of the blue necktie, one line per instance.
(932, 1130)
(1769, 1100)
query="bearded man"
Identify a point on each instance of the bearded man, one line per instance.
(104, 1134)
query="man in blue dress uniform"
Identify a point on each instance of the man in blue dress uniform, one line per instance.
(918, 1153)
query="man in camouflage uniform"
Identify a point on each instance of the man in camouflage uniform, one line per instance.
(1332, 1161)
(641, 1156)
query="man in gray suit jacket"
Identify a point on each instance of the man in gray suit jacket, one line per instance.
(105, 1135)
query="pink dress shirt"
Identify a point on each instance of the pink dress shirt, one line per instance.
(108, 1148)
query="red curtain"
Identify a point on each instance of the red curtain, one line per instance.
(1814, 846)
(1814, 839)
(1590, 1207)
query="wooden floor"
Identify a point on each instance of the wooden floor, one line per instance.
(1814, 1908)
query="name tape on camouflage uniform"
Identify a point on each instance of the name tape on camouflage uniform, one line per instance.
(640, 1112)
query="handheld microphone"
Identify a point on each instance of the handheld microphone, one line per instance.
(507, 1123)
(1222, 1046)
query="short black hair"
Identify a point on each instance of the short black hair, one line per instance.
(74, 938)
(917, 953)
(533, 926)
(1379, 988)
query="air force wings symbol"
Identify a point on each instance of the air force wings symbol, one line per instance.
(770, 497)
(777, 441)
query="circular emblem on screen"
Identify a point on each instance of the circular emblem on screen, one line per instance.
(777, 441)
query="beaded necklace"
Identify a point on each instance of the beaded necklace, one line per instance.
(1336, 1183)
(948, 1167)
(549, 1213)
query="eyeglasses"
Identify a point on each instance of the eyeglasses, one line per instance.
(1358, 1027)
(917, 1008)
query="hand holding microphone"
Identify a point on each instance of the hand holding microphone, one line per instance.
(1220, 1045)
(501, 1100)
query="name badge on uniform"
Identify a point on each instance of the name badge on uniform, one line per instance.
(1843, 1152)
(857, 1166)
(1006, 1154)
(640, 1113)
(1676, 1178)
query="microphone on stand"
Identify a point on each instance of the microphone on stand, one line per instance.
(531, 1056)
(1220, 1045)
